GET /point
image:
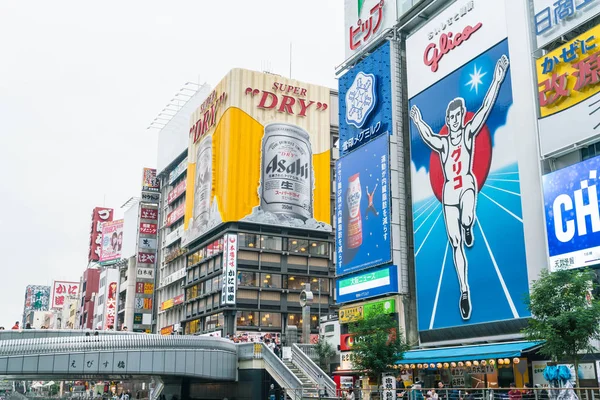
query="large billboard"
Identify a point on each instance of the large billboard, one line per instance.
(112, 240)
(364, 21)
(367, 284)
(259, 152)
(61, 290)
(363, 197)
(572, 215)
(37, 298)
(568, 91)
(150, 182)
(100, 215)
(469, 243)
(365, 100)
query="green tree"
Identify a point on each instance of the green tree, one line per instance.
(378, 345)
(564, 314)
(324, 351)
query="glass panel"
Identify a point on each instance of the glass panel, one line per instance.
(196, 272)
(203, 269)
(215, 283)
(270, 319)
(270, 281)
(294, 319)
(208, 286)
(296, 282)
(190, 275)
(247, 318)
(318, 248)
(211, 266)
(268, 242)
(247, 240)
(314, 285)
(247, 279)
(314, 322)
(220, 320)
(297, 245)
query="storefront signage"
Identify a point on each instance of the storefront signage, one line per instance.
(345, 361)
(150, 182)
(358, 312)
(389, 387)
(175, 276)
(368, 284)
(145, 273)
(174, 235)
(146, 258)
(167, 330)
(176, 214)
(147, 229)
(147, 243)
(143, 303)
(571, 205)
(150, 197)
(165, 305)
(555, 18)
(586, 371)
(137, 318)
(176, 192)
(229, 289)
(180, 169)
(149, 213)
(365, 20)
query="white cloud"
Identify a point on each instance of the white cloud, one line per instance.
(421, 186)
(504, 152)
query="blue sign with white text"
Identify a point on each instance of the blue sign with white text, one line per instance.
(367, 284)
(365, 100)
(363, 195)
(572, 215)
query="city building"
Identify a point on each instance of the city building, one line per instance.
(37, 298)
(258, 207)
(90, 280)
(105, 306)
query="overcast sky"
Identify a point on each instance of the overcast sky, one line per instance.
(79, 84)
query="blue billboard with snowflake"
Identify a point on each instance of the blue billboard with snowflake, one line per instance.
(365, 100)
(469, 242)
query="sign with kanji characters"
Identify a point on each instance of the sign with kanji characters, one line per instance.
(229, 288)
(568, 86)
(554, 18)
(365, 100)
(139, 287)
(112, 240)
(143, 303)
(365, 20)
(176, 192)
(147, 229)
(144, 273)
(37, 298)
(363, 310)
(146, 258)
(389, 387)
(363, 202)
(100, 215)
(148, 288)
(367, 284)
(178, 170)
(137, 318)
(147, 244)
(176, 214)
(571, 199)
(111, 305)
(167, 330)
(60, 291)
(149, 213)
(150, 182)
(346, 361)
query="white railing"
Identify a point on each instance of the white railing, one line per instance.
(312, 370)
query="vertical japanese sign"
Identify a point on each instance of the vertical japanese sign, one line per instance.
(229, 288)
(175, 215)
(112, 240)
(99, 216)
(150, 182)
(365, 20)
(389, 387)
(61, 290)
(464, 169)
(363, 199)
(176, 192)
(37, 298)
(568, 90)
(365, 100)
(111, 305)
(148, 229)
(555, 18)
(149, 213)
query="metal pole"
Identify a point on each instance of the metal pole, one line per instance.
(319, 302)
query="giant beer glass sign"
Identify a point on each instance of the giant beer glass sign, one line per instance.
(259, 152)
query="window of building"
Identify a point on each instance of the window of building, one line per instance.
(247, 279)
(247, 240)
(208, 286)
(247, 318)
(295, 282)
(194, 291)
(268, 242)
(318, 248)
(196, 273)
(210, 266)
(319, 284)
(591, 151)
(216, 282)
(201, 305)
(297, 245)
(294, 319)
(190, 275)
(270, 319)
(268, 280)
(203, 268)
(194, 308)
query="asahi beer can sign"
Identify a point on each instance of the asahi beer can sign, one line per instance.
(286, 175)
(203, 182)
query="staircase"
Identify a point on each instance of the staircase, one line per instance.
(309, 389)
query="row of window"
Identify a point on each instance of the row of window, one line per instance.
(202, 305)
(206, 268)
(293, 245)
(277, 281)
(272, 319)
(203, 288)
(208, 323)
(207, 251)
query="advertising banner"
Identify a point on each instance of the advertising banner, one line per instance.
(176, 192)
(365, 20)
(112, 240)
(148, 288)
(148, 229)
(99, 216)
(367, 284)
(179, 169)
(149, 213)
(365, 100)
(363, 197)
(37, 298)
(150, 182)
(175, 276)
(144, 273)
(568, 92)
(555, 18)
(178, 299)
(150, 197)
(464, 170)
(111, 306)
(61, 290)
(360, 311)
(345, 361)
(259, 152)
(572, 215)
(174, 235)
(167, 330)
(146, 258)
(176, 214)
(229, 290)
(147, 244)
(165, 305)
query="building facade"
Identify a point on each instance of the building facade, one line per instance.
(87, 297)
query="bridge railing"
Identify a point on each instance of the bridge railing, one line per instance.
(70, 344)
(43, 333)
(312, 370)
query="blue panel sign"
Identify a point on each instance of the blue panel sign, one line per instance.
(367, 284)
(572, 215)
(467, 219)
(363, 217)
(365, 96)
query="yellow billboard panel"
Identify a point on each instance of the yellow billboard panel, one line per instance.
(259, 151)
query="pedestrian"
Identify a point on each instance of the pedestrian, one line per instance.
(350, 394)
(1, 328)
(124, 329)
(277, 351)
(16, 325)
(27, 326)
(528, 393)
(513, 393)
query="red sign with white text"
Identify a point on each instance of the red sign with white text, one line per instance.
(111, 305)
(177, 191)
(178, 299)
(176, 214)
(148, 229)
(61, 290)
(149, 213)
(99, 216)
(146, 258)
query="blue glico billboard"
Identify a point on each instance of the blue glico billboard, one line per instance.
(363, 197)
(572, 215)
(365, 100)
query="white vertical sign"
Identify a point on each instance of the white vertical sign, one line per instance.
(229, 287)
(389, 387)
